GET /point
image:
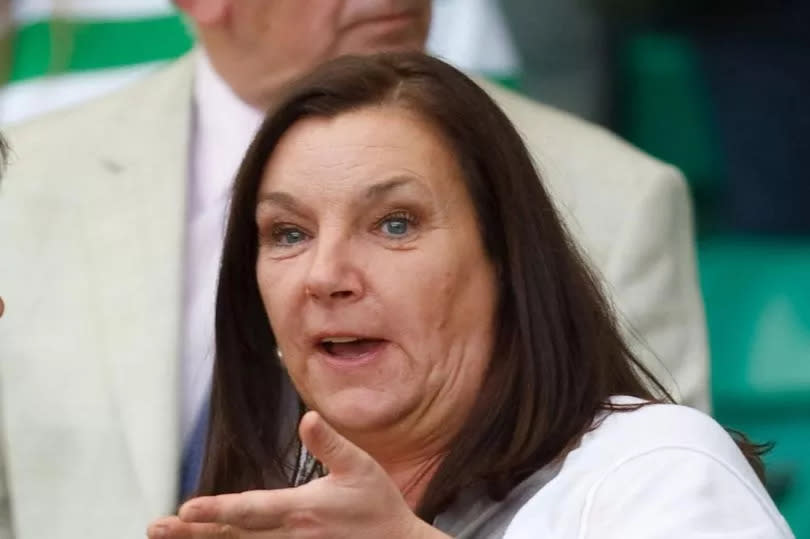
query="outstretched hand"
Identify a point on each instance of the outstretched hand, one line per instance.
(355, 500)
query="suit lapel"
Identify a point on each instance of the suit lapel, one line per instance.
(136, 223)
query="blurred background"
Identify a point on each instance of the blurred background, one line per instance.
(716, 87)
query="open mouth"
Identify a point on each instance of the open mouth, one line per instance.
(347, 348)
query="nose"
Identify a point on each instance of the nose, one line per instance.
(334, 274)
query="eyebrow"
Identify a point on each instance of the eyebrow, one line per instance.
(278, 198)
(380, 190)
(373, 192)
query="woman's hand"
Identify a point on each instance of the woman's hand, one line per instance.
(356, 500)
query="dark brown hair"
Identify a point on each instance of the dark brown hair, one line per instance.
(558, 356)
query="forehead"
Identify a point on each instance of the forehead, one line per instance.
(358, 147)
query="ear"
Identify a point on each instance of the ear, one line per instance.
(204, 12)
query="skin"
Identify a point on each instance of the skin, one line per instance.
(329, 264)
(258, 46)
(357, 500)
(366, 229)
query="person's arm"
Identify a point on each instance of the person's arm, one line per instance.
(6, 530)
(5, 510)
(667, 493)
(654, 284)
(679, 493)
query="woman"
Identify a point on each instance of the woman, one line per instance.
(393, 260)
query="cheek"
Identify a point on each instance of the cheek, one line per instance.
(278, 290)
(306, 27)
(466, 321)
(441, 302)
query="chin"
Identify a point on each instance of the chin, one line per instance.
(361, 410)
(389, 42)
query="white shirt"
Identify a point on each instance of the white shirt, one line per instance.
(660, 472)
(222, 130)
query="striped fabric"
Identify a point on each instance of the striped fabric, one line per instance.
(60, 52)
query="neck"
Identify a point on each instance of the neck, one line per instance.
(409, 455)
(412, 476)
(257, 85)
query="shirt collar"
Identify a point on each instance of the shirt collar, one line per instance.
(224, 126)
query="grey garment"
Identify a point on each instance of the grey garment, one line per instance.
(474, 515)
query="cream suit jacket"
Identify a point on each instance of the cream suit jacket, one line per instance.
(91, 251)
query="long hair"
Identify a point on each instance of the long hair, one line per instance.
(558, 356)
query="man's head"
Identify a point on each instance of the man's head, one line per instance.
(258, 46)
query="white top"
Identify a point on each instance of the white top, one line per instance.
(222, 130)
(660, 472)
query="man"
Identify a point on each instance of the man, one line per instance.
(110, 230)
(3, 155)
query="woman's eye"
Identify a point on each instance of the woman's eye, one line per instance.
(288, 236)
(396, 226)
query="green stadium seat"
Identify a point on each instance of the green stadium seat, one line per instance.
(757, 295)
(663, 107)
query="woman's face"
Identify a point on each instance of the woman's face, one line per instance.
(373, 273)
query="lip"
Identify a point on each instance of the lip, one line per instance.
(344, 363)
(332, 334)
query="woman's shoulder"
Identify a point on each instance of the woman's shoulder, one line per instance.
(652, 469)
(634, 433)
(631, 425)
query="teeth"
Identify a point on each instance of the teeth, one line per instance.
(340, 339)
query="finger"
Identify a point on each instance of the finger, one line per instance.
(251, 510)
(165, 528)
(337, 453)
(174, 528)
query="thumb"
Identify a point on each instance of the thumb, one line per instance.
(339, 455)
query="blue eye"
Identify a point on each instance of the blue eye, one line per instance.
(396, 226)
(288, 236)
